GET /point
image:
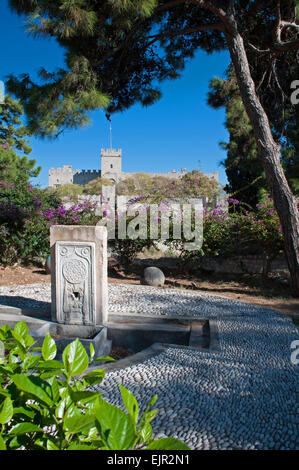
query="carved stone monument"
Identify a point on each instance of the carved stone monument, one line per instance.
(79, 274)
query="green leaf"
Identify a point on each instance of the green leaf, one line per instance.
(41, 442)
(30, 361)
(39, 389)
(130, 403)
(20, 344)
(146, 433)
(49, 348)
(24, 428)
(53, 364)
(55, 389)
(94, 377)
(24, 411)
(13, 360)
(167, 443)
(149, 416)
(77, 423)
(6, 369)
(5, 333)
(63, 404)
(21, 329)
(104, 359)
(6, 411)
(75, 358)
(91, 352)
(152, 401)
(29, 341)
(51, 445)
(20, 333)
(83, 396)
(2, 443)
(4, 392)
(116, 425)
(18, 442)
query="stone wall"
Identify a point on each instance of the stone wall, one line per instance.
(111, 168)
(251, 264)
(85, 176)
(58, 176)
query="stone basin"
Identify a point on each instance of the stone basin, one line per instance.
(65, 334)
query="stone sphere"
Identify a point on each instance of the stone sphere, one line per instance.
(153, 276)
(48, 265)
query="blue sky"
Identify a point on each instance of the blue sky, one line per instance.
(178, 131)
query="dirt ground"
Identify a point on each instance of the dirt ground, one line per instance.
(273, 293)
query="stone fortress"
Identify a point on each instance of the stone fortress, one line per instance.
(111, 168)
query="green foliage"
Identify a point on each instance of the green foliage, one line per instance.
(67, 191)
(195, 184)
(128, 249)
(93, 34)
(62, 102)
(118, 51)
(158, 191)
(26, 214)
(158, 188)
(121, 55)
(12, 133)
(238, 232)
(134, 243)
(95, 186)
(244, 169)
(13, 167)
(46, 404)
(140, 183)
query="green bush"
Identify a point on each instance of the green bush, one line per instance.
(26, 214)
(236, 232)
(47, 404)
(128, 248)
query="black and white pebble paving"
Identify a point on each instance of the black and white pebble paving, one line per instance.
(244, 396)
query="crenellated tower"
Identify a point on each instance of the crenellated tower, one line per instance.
(111, 164)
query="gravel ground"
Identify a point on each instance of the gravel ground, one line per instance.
(245, 396)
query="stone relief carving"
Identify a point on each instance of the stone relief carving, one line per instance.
(75, 276)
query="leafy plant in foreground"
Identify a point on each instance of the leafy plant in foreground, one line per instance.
(48, 404)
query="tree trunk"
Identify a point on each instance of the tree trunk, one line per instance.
(269, 152)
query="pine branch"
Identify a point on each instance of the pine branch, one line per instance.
(279, 45)
(187, 31)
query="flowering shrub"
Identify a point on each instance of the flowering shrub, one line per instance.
(127, 248)
(26, 214)
(240, 230)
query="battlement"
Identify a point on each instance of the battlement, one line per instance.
(111, 153)
(90, 172)
(65, 169)
(58, 176)
(85, 176)
(111, 168)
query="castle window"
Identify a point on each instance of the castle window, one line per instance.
(111, 166)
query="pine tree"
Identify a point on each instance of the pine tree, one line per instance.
(244, 170)
(112, 60)
(14, 168)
